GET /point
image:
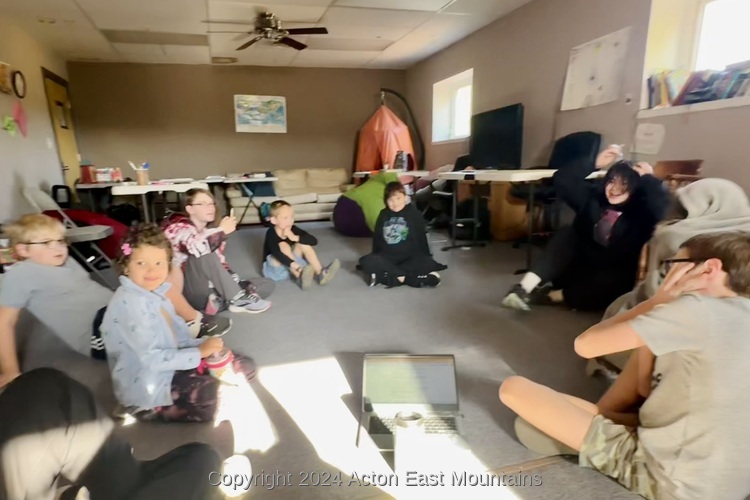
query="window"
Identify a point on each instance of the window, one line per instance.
(451, 107)
(723, 36)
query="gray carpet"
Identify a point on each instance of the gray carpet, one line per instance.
(310, 346)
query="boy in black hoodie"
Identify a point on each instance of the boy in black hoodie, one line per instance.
(400, 253)
(594, 261)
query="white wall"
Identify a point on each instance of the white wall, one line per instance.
(31, 160)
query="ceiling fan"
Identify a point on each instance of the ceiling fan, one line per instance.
(268, 26)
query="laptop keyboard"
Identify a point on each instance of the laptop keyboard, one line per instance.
(431, 425)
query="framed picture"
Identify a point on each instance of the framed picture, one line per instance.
(18, 81)
(5, 82)
(260, 114)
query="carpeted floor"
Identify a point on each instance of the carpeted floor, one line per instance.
(301, 413)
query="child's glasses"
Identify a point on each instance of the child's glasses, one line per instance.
(666, 265)
(48, 243)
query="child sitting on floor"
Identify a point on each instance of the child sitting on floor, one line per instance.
(400, 252)
(288, 251)
(157, 368)
(674, 424)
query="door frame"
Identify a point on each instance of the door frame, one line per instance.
(47, 74)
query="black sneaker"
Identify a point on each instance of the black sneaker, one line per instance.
(373, 280)
(517, 298)
(214, 326)
(425, 281)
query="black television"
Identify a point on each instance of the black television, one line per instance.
(497, 138)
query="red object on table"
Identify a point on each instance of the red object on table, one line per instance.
(109, 245)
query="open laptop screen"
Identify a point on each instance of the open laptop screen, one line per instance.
(420, 380)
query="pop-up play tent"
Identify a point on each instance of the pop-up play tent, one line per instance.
(380, 139)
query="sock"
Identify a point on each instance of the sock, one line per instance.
(194, 327)
(530, 281)
(556, 296)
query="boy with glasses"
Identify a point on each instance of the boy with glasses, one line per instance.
(200, 271)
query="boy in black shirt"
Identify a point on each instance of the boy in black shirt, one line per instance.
(288, 251)
(400, 253)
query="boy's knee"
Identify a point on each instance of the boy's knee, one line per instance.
(511, 388)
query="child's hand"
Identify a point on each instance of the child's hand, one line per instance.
(228, 224)
(643, 168)
(211, 346)
(609, 156)
(682, 278)
(290, 235)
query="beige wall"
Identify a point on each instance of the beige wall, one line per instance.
(180, 118)
(523, 57)
(33, 160)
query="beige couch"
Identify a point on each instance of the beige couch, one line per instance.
(312, 192)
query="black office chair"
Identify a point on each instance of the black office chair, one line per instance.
(570, 149)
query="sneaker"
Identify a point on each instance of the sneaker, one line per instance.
(306, 277)
(540, 297)
(425, 281)
(250, 304)
(373, 280)
(328, 272)
(215, 326)
(537, 441)
(517, 299)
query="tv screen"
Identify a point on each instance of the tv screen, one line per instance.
(497, 138)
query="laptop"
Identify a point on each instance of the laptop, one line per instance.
(393, 383)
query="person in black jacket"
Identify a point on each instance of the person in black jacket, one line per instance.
(594, 261)
(400, 253)
(288, 251)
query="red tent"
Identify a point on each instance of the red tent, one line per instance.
(380, 139)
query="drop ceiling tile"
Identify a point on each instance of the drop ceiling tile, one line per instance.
(275, 3)
(168, 16)
(333, 59)
(426, 5)
(223, 10)
(355, 44)
(378, 32)
(347, 16)
(492, 8)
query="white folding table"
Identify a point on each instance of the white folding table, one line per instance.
(155, 187)
(212, 181)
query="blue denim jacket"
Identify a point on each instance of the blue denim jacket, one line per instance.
(143, 352)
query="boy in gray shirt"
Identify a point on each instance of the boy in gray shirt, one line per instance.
(675, 423)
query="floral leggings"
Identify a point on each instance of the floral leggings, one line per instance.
(195, 395)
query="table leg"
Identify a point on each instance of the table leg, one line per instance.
(474, 220)
(146, 208)
(530, 236)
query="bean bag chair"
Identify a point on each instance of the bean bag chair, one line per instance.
(357, 210)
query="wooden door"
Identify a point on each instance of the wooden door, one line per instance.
(58, 102)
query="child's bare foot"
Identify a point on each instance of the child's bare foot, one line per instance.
(306, 277)
(328, 272)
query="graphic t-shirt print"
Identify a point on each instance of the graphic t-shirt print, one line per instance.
(603, 228)
(395, 230)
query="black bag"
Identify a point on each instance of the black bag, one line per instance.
(124, 214)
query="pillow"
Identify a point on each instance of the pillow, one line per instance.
(326, 177)
(290, 180)
(369, 196)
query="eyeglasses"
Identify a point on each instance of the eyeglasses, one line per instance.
(48, 243)
(666, 265)
(203, 204)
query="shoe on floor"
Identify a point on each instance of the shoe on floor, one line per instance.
(214, 326)
(517, 299)
(329, 272)
(537, 441)
(306, 277)
(373, 280)
(250, 304)
(540, 296)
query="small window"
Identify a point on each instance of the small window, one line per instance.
(451, 107)
(723, 36)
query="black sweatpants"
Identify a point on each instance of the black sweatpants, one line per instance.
(588, 281)
(388, 271)
(51, 426)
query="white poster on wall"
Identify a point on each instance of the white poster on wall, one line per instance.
(595, 71)
(649, 138)
(260, 114)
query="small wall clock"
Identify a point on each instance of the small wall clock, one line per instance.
(19, 84)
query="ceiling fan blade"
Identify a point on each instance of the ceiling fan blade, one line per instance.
(292, 43)
(307, 31)
(247, 44)
(251, 23)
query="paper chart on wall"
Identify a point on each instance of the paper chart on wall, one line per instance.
(595, 71)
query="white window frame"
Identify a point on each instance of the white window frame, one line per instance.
(698, 32)
(444, 106)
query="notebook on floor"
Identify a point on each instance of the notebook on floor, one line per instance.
(393, 383)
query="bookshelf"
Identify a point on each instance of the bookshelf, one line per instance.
(735, 102)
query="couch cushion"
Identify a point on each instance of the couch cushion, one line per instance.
(294, 179)
(326, 177)
(314, 208)
(328, 198)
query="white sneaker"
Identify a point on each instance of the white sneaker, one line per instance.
(250, 304)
